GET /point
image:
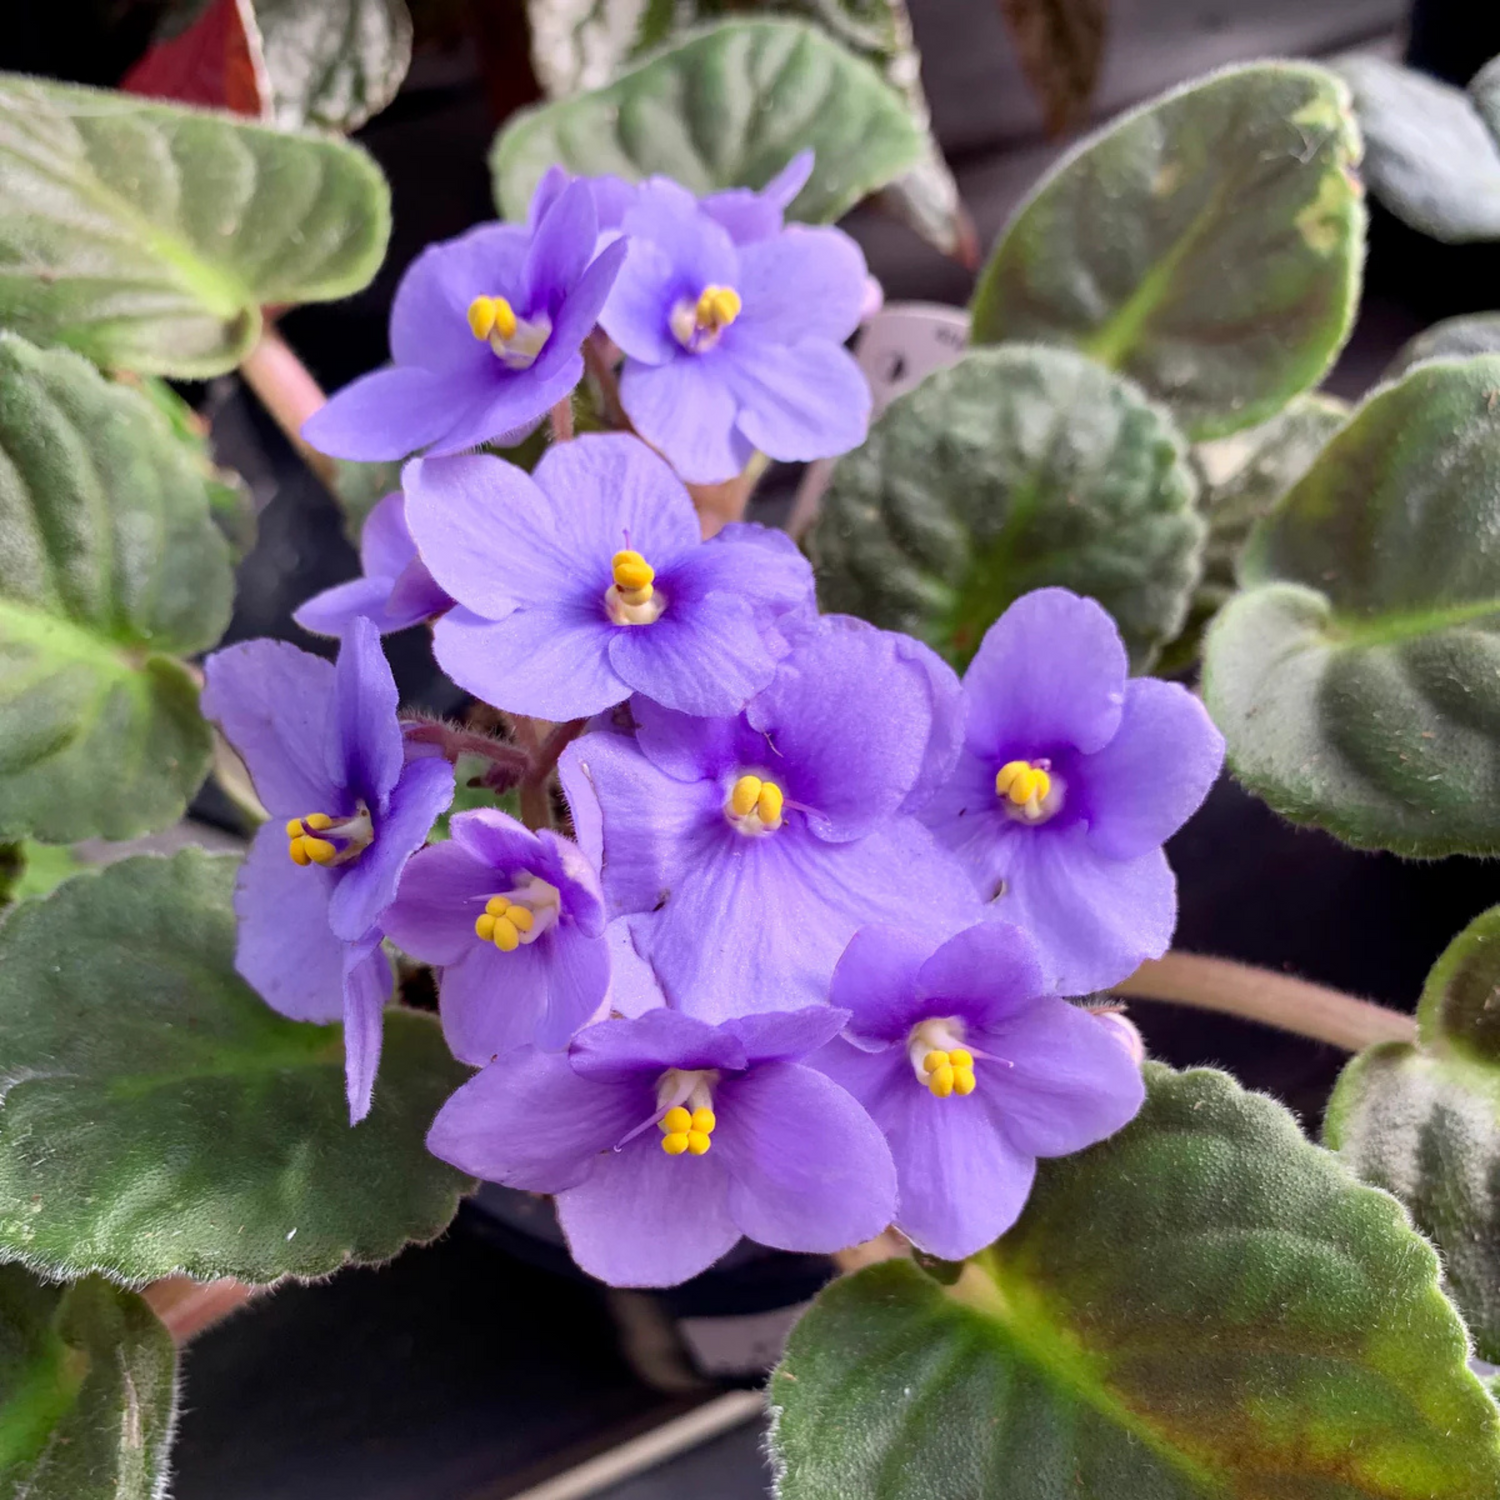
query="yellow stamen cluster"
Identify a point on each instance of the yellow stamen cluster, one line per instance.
(303, 844)
(489, 315)
(681, 1131)
(762, 799)
(718, 307)
(1027, 788)
(949, 1072)
(633, 577)
(502, 922)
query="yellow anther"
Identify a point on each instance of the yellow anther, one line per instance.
(505, 937)
(718, 307)
(768, 803)
(633, 575)
(294, 829)
(298, 853)
(1022, 782)
(941, 1081)
(676, 1121)
(933, 1061)
(497, 906)
(319, 851)
(960, 1058)
(704, 1120)
(492, 315)
(318, 822)
(698, 1142)
(676, 1143)
(521, 918)
(484, 926)
(963, 1080)
(745, 796)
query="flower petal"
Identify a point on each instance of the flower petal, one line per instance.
(644, 1218)
(852, 756)
(668, 216)
(786, 1035)
(386, 545)
(368, 886)
(796, 401)
(1154, 774)
(390, 413)
(442, 891)
(689, 748)
(367, 753)
(607, 491)
(1072, 1082)
(685, 409)
(549, 662)
(561, 247)
(633, 989)
(429, 317)
(515, 405)
(985, 974)
(808, 1169)
(1050, 672)
(367, 987)
(1094, 920)
(530, 1122)
(637, 315)
(286, 951)
(758, 924)
(492, 1002)
(615, 1051)
(580, 309)
(803, 283)
(334, 610)
(705, 656)
(274, 706)
(876, 981)
(960, 1184)
(576, 970)
(967, 818)
(485, 531)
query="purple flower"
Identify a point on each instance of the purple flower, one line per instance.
(733, 346)
(395, 591)
(325, 751)
(972, 1074)
(515, 922)
(485, 333)
(746, 213)
(747, 851)
(588, 581)
(665, 1139)
(1071, 778)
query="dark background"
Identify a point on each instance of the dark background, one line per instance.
(472, 1369)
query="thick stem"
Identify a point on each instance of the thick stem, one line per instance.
(536, 800)
(187, 1307)
(719, 504)
(562, 421)
(454, 740)
(1236, 989)
(289, 394)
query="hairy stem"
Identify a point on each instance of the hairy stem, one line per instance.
(454, 740)
(597, 361)
(289, 394)
(562, 421)
(1295, 1005)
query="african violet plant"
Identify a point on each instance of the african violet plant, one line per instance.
(749, 919)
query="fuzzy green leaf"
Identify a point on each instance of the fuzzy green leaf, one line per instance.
(148, 236)
(1453, 338)
(1429, 156)
(1423, 1122)
(88, 1392)
(1205, 1306)
(1015, 468)
(1207, 244)
(160, 1117)
(1357, 678)
(726, 107)
(1242, 477)
(110, 569)
(333, 63)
